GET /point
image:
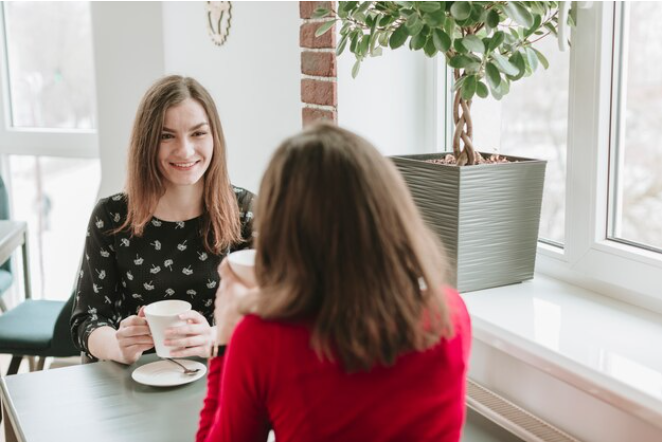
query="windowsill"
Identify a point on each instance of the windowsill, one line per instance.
(603, 347)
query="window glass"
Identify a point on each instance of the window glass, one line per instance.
(51, 70)
(637, 194)
(56, 197)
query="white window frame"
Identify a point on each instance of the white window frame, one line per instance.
(588, 257)
(34, 141)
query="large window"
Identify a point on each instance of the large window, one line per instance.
(594, 115)
(48, 145)
(636, 210)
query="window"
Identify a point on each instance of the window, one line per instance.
(636, 191)
(48, 142)
(49, 48)
(594, 115)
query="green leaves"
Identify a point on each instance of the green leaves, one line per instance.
(460, 61)
(519, 13)
(355, 68)
(429, 48)
(414, 25)
(469, 87)
(321, 13)
(473, 44)
(496, 41)
(324, 27)
(399, 37)
(429, 6)
(418, 41)
(541, 58)
(493, 75)
(492, 19)
(461, 10)
(490, 44)
(504, 65)
(441, 40)
(481, 90)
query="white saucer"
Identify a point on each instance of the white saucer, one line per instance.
(166, 373)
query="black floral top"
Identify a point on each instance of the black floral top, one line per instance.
(120, 272)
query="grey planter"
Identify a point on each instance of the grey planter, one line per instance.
(487, 216)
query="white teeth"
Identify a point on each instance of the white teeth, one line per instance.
(184, 165)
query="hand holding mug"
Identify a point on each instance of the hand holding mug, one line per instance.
(134, 337)
(194, 339)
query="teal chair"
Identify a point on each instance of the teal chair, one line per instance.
(37, 328)
(33, 328)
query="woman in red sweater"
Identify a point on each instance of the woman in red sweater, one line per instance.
(352, 334)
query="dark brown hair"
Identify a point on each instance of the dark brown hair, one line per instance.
(341, 243)
(144, 187)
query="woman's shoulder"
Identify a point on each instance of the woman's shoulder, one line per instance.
(113, 207)
(252, 326)
(244, 197)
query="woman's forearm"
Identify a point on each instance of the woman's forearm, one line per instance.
(103, 344)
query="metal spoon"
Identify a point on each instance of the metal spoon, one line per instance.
(187, 371)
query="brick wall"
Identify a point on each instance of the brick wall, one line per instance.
(319, 86)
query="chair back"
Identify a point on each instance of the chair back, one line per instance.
(63, 343)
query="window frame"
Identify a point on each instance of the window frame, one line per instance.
(588, 257)
(35, 141)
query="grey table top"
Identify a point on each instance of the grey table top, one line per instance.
(100, 402)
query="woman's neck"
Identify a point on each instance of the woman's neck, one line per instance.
(181, 203)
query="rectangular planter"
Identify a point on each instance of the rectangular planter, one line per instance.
(487, 216)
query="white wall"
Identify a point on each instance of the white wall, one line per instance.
(254, 77)
(389, 102)
(128, 56)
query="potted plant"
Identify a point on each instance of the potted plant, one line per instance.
(485, 208)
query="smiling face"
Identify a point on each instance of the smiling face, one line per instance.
(187, 144)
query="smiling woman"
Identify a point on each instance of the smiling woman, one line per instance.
(165, 236)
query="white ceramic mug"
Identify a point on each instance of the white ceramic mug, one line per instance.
(163, 315)
(242, 263)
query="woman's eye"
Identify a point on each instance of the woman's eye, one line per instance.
(166, 136)
(199, 133)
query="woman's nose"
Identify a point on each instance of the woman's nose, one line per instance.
(185, 147)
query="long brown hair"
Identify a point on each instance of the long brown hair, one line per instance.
(341, 242)
(220, 226)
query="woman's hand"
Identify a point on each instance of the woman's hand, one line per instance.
(133, 338)
(231, 294)
(193, 340)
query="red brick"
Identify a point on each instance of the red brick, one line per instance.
(307, 37)
(306, 9)
(322, 64)
(319, 92)
(310, 116)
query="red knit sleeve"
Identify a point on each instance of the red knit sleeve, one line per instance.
(211, 401)
(235, 407)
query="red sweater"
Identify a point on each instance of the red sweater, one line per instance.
(271, 378)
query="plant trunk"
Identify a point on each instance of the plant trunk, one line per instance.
(463, 130)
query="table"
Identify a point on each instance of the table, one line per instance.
(99, 402)
(12, 235)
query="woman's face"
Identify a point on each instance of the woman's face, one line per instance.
(186, 146)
